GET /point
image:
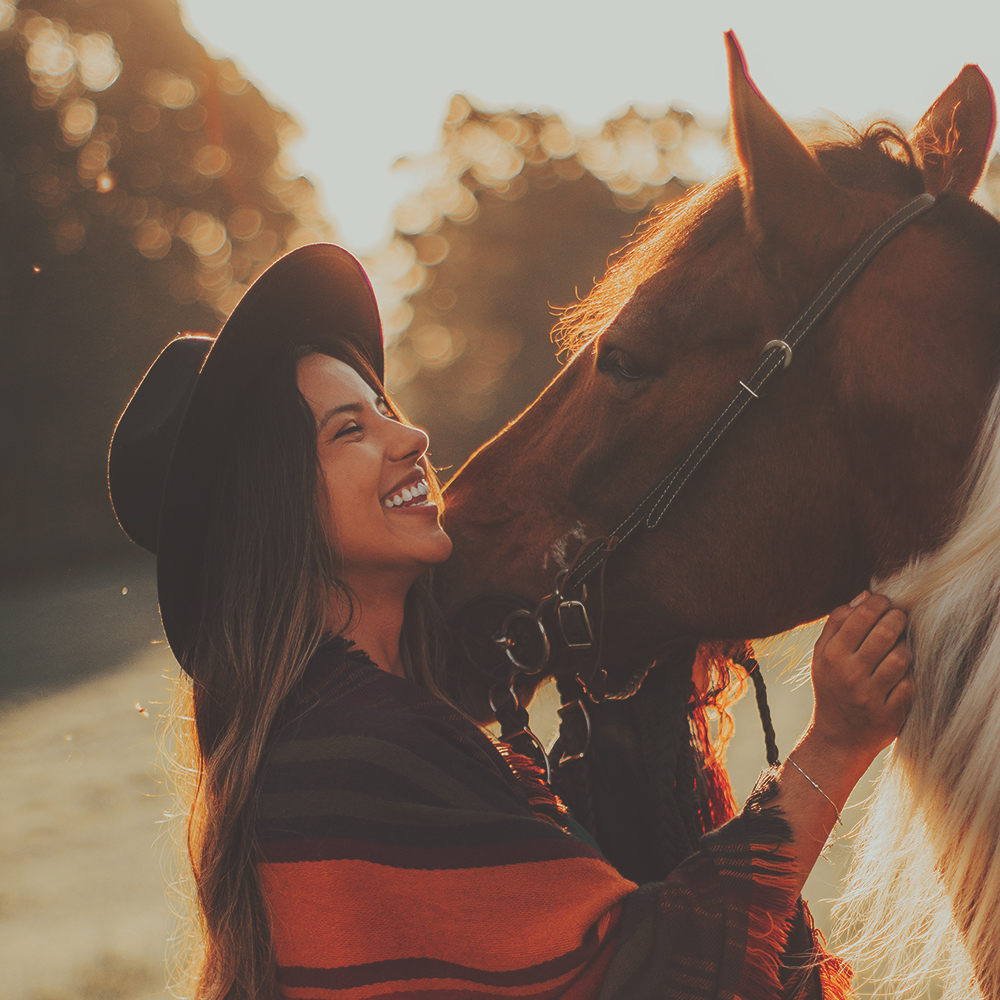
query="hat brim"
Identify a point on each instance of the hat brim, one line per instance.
(315, 294)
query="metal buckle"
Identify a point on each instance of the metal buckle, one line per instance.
(575, 624)
(785, 347)
(508, 643)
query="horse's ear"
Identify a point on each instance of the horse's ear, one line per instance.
(783, 183)
(953, 139)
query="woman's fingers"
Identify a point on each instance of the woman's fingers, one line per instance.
(836, 619)
(859, 624)
(894, 667)
(881, 638)
(899, 700)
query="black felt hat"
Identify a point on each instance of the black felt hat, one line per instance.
(169, 442)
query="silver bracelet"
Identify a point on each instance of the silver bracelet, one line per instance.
(788, 760)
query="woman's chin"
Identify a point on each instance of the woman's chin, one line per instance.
(441, 548)
(430, 548)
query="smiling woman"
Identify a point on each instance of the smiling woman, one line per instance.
(257, 467)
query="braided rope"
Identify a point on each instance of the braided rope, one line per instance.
(665, 742)
(572, 781)
(763, 710)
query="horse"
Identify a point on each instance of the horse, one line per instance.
(849, 465)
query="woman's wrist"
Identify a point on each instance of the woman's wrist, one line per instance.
(835, 767)
(818, 787)
(842, 751)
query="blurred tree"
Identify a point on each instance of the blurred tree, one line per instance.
(142, 186)
(521, 217)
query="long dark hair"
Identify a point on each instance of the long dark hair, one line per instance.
(267, 575)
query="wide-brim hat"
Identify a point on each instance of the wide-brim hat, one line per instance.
(168, 444)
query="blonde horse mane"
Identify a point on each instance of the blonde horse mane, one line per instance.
(923, 896)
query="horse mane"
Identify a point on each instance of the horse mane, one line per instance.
(877, 158)
(923, 895)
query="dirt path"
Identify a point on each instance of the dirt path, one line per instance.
(82, 908)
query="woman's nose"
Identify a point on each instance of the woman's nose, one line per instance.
(408, 442)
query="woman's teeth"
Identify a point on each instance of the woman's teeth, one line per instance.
(416, 492)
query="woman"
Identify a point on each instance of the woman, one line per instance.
(352, 834)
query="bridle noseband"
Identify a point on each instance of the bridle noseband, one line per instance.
(569, 608)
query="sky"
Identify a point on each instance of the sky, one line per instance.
(339, 66)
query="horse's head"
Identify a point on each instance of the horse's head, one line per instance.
(850, 462)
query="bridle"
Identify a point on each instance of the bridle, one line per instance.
(570, 610)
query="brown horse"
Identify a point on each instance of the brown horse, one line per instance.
(846, 467)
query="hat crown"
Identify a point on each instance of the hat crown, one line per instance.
(144, 438)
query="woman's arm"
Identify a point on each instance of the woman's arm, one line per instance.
(863, 692)
(720, 925)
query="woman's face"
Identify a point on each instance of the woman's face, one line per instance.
(380, 517)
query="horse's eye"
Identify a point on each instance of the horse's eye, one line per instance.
(614, 361)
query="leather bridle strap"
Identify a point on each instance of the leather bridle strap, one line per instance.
(776, 356)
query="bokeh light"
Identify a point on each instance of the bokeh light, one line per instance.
(97, 62)
(152, 239)
(519, 213)
(56, 58)
(78, 119)
(158, 150)
(211, 161)
(170, 89)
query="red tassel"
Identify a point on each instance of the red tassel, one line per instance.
(532, 779)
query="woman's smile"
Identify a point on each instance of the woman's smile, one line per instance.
(412, 496)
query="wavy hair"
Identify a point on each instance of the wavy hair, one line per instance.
(923, 897)
(267, 575)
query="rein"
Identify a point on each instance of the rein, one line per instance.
(524, 636)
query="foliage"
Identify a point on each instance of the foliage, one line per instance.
(142, 186)
(521, 217)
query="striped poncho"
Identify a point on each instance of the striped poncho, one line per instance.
(400, 857)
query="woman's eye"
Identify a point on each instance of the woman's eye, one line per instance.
(615, 362)
(350, 428)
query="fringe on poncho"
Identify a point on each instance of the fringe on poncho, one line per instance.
(400, 857)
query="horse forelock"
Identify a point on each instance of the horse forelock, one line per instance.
(877, 158)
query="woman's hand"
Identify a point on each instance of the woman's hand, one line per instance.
(863, 692)
(860, 677)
